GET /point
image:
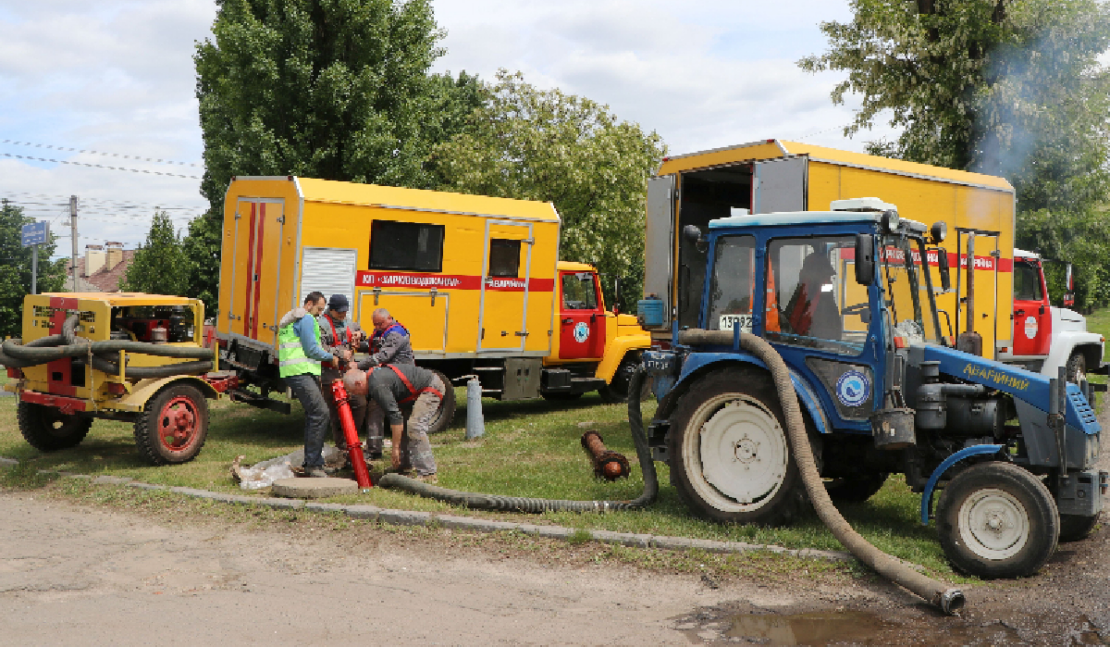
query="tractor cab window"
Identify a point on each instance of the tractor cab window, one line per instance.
(579, 291)
(732, 284)
(906, 290)
(813, 299)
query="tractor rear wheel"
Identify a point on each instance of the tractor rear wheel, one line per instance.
(730, 455)
(47, 429)
(997, 520)
(174, 425)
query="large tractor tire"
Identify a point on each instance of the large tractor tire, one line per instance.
(997, 520)
(731, 458)
(48, 430)
(174, 425)
(446, 413)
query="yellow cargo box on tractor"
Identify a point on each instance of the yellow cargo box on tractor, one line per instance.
(120, 356)
(772, 175)
(476, 281)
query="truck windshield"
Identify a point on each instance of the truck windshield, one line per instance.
(907, 290)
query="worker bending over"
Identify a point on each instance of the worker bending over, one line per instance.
(390, 387)
(388, 345)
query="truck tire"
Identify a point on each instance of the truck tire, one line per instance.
(1077, 368)
(731, 458)
(616, 391)
(997, 520)
(48, 430)
(446, 413)
(173, 426)
(855, 489)
(1074, 527)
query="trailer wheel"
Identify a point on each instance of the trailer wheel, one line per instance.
(997, 520)
(173, 426)
(855, 489)
(48, 430)
(1074, 527)
(731, 458)
(446, 413)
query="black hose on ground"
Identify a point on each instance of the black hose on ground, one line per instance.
(16, 354)
(950, 600)
(478, 501)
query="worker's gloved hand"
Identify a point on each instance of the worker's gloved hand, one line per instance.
(335, 361)
(345, 354)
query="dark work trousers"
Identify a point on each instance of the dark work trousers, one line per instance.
(306, 388)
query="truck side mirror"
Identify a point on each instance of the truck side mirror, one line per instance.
(865, 259)
(942, 266)
(1069, 281)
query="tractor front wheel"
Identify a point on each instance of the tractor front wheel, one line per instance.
(997, 520)
(47, 429)
(174, 425)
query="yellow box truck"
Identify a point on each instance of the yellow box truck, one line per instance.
(476, 280)
(776, 176)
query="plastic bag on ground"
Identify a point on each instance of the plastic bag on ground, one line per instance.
(264, 473)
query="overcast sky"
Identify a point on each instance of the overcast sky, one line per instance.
(115, 79)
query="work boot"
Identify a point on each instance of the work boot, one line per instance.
(316, 472)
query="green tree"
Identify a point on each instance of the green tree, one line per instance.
(15, 268)
(160, 266)
(331, 89)
(1011, 88)
(532, 144)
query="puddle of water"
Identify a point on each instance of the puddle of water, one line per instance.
(861, 628)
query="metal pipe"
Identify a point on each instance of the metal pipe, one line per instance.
(608, 465)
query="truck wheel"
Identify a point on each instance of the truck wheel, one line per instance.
(617, 389)
(1077, 369)
(997, 520)
(731, 458)
(446, 414)
(855, 489)
(173, 426)
(1074, 527)
(47, 429)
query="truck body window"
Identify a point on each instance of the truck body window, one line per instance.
(504, 257)
(406, 246)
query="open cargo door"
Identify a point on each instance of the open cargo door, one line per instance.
(780, 184)
(659, 243)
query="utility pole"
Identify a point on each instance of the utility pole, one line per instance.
(73, 232)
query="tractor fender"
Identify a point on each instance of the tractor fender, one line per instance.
(615, 351)
(699, 364)
(931, 485)
(144, 390)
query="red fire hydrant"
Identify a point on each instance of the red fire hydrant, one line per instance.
(354, 448)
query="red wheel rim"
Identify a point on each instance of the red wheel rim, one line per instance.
(178, 424)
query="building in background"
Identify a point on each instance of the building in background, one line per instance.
(102, 268)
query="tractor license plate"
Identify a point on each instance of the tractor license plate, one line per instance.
(728, 322)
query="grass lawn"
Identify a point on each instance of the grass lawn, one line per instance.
(530, 449)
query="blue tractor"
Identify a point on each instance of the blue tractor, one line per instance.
(847, 299)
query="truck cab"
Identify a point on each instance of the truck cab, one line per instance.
(846, 297)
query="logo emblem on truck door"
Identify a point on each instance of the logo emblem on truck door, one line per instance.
(581, 332)
(853, 388)
(1030, 327)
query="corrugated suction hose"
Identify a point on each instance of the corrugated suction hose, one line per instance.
(949, 600)
(15, 354)
(478, 501)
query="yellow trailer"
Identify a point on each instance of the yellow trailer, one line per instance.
(777, 176)
(474, 279)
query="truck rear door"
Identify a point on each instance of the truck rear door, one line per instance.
(1032, 316)
(508, 259)
(581, 316)
(255, 277)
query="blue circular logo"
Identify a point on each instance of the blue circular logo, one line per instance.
(853, 388)
(581, 332)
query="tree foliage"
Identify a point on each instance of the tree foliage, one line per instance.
(15, 268)
(532, 144)
(1011, 88)
(160, 265)
(331, 89)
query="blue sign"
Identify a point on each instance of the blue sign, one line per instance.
(36, 233)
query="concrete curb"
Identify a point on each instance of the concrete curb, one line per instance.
(453, 522)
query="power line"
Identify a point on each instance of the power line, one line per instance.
(100, 166)
(92, 152)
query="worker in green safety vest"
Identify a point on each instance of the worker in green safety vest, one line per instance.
(299, 360)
